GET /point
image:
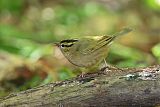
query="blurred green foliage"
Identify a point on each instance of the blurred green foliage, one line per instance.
(15, 7)
(153, 4)
(65, 73)
(29, 27)
(129, 57)
(156, 52)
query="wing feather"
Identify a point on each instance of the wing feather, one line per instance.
(100, 41)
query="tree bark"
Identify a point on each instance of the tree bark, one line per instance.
(109, 87)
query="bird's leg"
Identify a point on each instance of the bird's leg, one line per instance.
(108, 66)
(82, 74)
(105, 63)
(88, 71)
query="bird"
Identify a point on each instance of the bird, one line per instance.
(88, 51)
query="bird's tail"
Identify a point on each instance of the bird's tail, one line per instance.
(122, 32)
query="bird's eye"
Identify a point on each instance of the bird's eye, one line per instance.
(62, 45)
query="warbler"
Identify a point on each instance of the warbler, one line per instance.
(88, 51)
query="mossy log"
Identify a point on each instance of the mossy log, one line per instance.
(109, 87)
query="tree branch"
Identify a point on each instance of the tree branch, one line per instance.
(108, 87)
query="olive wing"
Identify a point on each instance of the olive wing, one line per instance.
(90, 45)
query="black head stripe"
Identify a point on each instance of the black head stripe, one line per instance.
(69, 40)
(66, 45)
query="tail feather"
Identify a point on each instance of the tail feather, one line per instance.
(122, 32)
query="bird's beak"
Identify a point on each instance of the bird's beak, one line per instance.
(56, 44)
